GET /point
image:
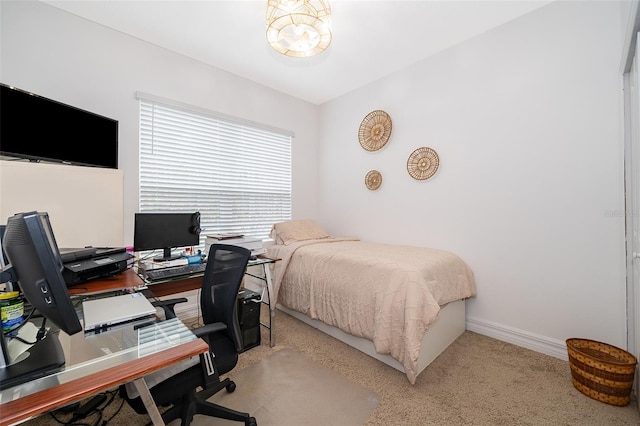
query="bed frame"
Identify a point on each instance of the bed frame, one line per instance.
(449, 325)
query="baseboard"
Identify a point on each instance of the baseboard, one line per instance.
(535, 342)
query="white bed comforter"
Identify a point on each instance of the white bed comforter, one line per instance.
(389, 294)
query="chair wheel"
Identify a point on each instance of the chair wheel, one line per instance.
(251, 422)
(231, 386)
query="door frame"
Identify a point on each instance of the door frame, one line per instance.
(631, 83)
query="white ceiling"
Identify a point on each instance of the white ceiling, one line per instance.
(371, 39)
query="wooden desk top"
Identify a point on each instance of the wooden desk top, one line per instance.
(127, 279)
(130, 280)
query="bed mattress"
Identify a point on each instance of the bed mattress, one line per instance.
(389, 294)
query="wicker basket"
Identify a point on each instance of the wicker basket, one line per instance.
(600, 371)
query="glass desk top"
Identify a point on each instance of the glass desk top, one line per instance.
(90, 352)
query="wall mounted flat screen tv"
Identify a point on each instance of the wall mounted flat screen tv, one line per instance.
(40, 129)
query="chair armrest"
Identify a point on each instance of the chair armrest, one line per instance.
(168, 306)
(209, 328)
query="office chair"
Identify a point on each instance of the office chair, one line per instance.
(186, 392)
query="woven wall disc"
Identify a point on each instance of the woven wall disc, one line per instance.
(373, 180)
(375, 130)
(423, 163)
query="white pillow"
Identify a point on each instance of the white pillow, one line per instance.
(297, 230)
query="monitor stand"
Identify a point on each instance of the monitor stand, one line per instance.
(166, 256)
(41, 359)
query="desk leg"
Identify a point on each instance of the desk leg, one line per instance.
(272, 307)
(148, 401)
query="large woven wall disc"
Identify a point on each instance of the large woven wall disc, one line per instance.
(373, 180)
(423, 163)
(375, 130)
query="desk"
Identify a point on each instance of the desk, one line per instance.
(130, 280)
(83, 377)
(90, 368)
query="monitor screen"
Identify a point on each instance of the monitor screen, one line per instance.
(31, 250)
(153, 231)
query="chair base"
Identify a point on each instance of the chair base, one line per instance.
(186, 413)
(194, 403)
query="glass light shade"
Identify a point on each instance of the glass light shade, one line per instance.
(299, 28)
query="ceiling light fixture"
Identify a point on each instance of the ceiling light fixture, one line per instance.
(299, 28)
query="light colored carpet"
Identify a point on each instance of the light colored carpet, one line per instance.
(476, 381)
(288, 389)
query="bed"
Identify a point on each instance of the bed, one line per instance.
(400, 304)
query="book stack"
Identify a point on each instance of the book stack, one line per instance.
(253, 244)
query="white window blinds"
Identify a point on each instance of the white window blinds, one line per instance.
(236, 174)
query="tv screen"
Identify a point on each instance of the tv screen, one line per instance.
(165, 231)
(37, 128)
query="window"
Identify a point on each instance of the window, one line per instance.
(237, 174)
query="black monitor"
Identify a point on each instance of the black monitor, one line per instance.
(165, 231)
(6, 278)
(32, 252)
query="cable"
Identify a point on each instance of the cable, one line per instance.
(24, 321)
(116, 412)
(88, 407)
(20, 339)
(92, 407)
(42, 331)
(12, 333)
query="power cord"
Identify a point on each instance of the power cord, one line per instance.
(93, 407)
(104, 423)
(42, 331)
(85, 409)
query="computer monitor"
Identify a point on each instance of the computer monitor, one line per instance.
(165, 231)
(31, 250)
(6, 278)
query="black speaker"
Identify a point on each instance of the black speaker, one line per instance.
(249, 318)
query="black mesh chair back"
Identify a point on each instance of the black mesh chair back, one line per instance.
(226, 265)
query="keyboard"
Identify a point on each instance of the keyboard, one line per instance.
(175, 271)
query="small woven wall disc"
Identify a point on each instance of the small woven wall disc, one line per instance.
(375, 130)
(423, 163)
(373, 180)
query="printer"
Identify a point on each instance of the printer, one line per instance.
(87, 263)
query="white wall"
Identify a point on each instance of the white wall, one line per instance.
(72, 60)
(96, 220)
(526, 120)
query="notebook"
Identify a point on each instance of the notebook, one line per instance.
(100, 313)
